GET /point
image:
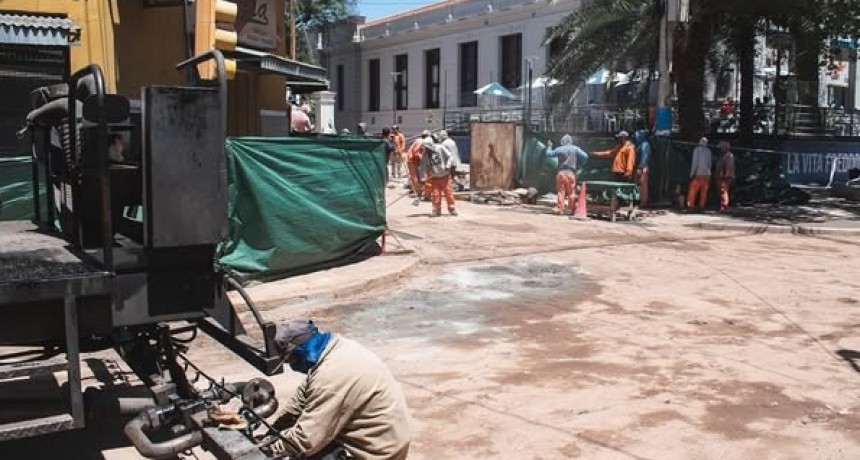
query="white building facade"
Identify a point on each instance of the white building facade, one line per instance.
(414, 68)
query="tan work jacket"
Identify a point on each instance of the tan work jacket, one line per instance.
(351, 398)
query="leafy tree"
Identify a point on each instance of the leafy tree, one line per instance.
(612, 34)
(315, 15)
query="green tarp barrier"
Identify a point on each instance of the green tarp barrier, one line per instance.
(301, 204)
(16, 188)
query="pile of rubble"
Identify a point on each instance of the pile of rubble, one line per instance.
(501, 197)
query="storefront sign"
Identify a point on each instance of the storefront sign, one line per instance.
(257, 24)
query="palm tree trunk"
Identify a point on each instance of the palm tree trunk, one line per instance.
(808, 45)
(690, 53)
(745, 35)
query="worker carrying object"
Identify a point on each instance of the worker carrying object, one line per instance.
(349, 406)
(570, 159)
(436, 164)
(623, 157)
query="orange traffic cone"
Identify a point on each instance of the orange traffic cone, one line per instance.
(581, 211)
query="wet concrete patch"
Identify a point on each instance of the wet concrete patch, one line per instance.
(465, 305)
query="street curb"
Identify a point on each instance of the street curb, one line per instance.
(388, 278)
(341, 291)
(777, 229)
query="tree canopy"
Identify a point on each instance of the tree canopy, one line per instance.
(622, 35)
(315, 13)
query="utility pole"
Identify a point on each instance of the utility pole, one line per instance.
(445, 99)
(529, 95)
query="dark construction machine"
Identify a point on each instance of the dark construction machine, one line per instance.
(122, 256)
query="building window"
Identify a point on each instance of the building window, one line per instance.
(512, 61)
(468, 74)
(373, 105)
(340, 91)
(431, 79)
(401, 89)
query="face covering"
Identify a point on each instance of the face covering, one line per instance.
(306, 356)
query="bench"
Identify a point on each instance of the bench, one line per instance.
(609, 197)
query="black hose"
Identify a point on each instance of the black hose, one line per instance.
(250, 303)
(136, 430)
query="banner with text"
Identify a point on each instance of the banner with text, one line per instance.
(812, 162)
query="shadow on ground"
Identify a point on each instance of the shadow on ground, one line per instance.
(821, 209)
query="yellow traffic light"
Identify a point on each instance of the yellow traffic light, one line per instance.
(214, 28)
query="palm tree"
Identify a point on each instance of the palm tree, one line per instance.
(611, 34)
(623, 34)
(619, 34)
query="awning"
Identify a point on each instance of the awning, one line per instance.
(42, 30)
(301, 77)
(540, 83)
(495, 89)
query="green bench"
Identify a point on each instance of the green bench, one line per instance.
(610, 197)
(605, 193)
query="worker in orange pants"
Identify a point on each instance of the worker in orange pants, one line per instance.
(435, 167)
(565, 188)
(700, 176)
(570, 159)
(442, 186)
(725, 174)
(413, 162)
(428, 190)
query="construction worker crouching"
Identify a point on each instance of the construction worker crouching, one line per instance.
(436, 164)
(349, 406)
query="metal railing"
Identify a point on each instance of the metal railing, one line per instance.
(794, 120)
(574, 119)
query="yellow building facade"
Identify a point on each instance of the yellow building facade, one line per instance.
(138, 43)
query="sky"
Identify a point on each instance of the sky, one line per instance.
(375, 9)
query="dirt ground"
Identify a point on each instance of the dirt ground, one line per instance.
(523, 335)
